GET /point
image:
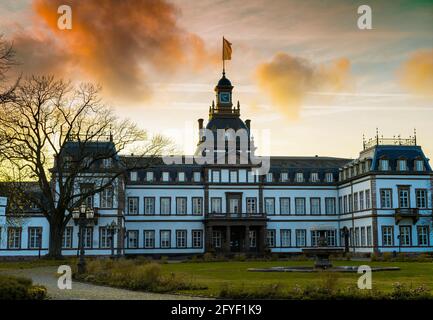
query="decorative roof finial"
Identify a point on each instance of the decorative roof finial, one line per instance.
(414, 135)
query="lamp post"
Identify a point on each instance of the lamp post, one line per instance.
(112, 228)
(82, 216)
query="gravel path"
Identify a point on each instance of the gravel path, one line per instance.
(46, 276)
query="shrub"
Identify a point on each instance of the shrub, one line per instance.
(387, 256)
(19, 288)
(208, 257)
(240, 257)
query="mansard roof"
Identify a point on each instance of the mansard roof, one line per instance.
(394, 153)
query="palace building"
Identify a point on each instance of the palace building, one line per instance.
(379, 202)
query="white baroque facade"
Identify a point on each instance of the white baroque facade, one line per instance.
(379, 202)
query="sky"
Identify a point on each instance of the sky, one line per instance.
(311, 81)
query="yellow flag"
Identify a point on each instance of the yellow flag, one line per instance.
(227, 50)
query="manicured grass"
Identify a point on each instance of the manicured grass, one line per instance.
(26, 264)
(214, 275)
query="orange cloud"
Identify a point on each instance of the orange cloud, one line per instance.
(416, 73)
(119, 44)
(287, 79)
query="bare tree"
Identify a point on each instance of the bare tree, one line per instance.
(65, 138)
(7, 60)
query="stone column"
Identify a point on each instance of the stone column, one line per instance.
(247, 239)
(227, 244)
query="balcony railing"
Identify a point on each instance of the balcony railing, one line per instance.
(214, 215)
(406, 213)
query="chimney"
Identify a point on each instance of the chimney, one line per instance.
(200, 123)
(248, 123)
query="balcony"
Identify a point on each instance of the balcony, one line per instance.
(406, 213)
(236, 218)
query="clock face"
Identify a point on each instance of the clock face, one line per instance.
(224, 97)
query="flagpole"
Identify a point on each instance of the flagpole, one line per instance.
(222, 52)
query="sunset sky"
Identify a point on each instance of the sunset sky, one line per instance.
(302, 70)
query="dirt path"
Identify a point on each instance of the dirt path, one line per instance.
(46, 276)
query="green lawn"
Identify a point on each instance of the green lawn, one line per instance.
(215, 274)
(26, 264)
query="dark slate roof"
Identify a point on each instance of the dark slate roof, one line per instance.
(219, 122)
(393, 153)
(224, 82)
(90, 148)
(308, 162)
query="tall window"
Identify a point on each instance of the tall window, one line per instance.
(133, 239)
(340, 205)
(345, 204)
(86, 188)
(301, 236)
(362, 236)
(331, 238)
(421, 198)
(419, 165)
(233, 176)
(284, 205)
(314, 238)
(270, 205)
(369, 236)
(14, 238)
(104, 238)
(165, 176)
(299, 205)
(35, 237)
(251, 205)
(149, 205)
(329, 177)
(402, 165)
(149, 239)
(270, 238)
(181, 205)
(67, 238)
(386, 198)
(284, 176)
(403, 197)
(383, 165)
(181, 238)
(216, 206)
(285, 237)
(350, 203)
(234, 204)
(88, 237)
(165, 205)
(165, 239)
(367, 199)
(133, 205)
(356, 237)
(315, 205)
(355, 201)
(405, 236)
(387, 236)
(361, 200)
(216, 239)
(330, 206)
(423, 235)
(107, 198)
(197, 238)
(197, 206)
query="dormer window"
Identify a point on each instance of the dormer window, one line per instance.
(383, 165)
(314, 177)
(165, 176)
(329, 177)
(284, 176)
(181, 176)
(133, 175)
(299, 177)
(402, 165)
(149, 176)
(197, 176)
(269, 177)
(419, 165)
(107, 163)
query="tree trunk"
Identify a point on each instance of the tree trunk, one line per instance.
(56, 235)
